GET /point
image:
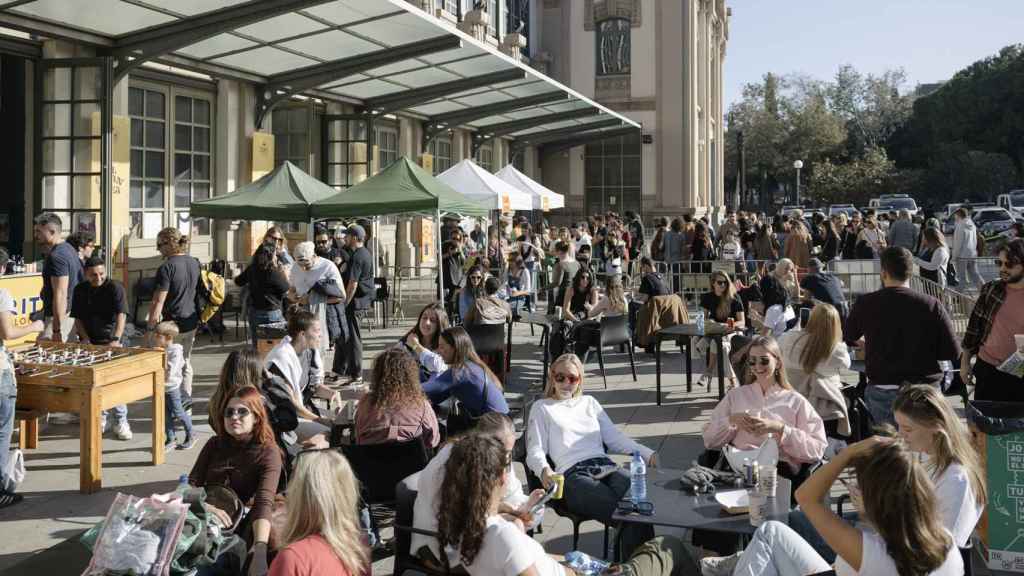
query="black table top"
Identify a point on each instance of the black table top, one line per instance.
(674, 506)
(540, 318)
(710, 329)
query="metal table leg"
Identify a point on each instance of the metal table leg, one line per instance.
(721, 367)
(657, 366)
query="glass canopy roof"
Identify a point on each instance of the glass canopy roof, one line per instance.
(291, 36)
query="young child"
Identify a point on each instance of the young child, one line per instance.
(163, 337)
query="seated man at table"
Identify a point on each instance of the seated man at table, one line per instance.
(651, 285)
(767, 408)
(100, 310)
(489, 308)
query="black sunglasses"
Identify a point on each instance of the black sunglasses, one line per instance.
(627, 506)
(762, 360)
(241, 412)
(721, 283)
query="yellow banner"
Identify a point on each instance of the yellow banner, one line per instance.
(262, 164)
(25, 291)
(121, 223)
(427, 162)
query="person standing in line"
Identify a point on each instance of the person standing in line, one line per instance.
(62, 271)
(359, 290)
(268, 287)
(965, 250)
(906, 334)
(996, 320)
(934, 260)
(100, 313)
(175, 298)
(903, 232)
(9, 385)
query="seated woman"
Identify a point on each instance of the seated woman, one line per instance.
(424, 339)
(474, 287)
(768, 407)
(294, 361)
(903, 534)
(721, 304)
(476, 535)
(778, 314)
(519, 285)
(395, 408)
(488, 308)
(814, 358)
(513, 506)
(580, 297)
(571, 434)
(467, 378)
(321, 532)
(785, 273)
(611, 303)
(246, 459)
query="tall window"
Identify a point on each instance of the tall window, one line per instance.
(613, 47)
(517, 12)
(487, 158)
(613, 174)
(492, 11)
(291, 136)
(156, 201)
(441, 150)
(451, 7)
(386, 138)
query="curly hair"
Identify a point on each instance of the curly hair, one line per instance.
(473, 472)
(396, 380)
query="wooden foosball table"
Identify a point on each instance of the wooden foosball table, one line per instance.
(87, 379)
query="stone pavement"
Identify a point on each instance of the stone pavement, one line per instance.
(40, 532)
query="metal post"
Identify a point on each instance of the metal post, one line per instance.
(797, 187)
(440, 260)
(107, 162)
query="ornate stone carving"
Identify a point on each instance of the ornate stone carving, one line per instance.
(597, 10)
(608, 88)
(475, 24)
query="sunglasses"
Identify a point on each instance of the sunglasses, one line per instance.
(762, 360)
(562, 377)
(721, 283)
(627, 506)
(240, 413)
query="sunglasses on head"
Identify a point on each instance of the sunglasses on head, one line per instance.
(762, 360)
(562, 377)
(240, 412)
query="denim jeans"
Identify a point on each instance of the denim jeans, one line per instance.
(801, 525)
(879, 402)
(120, 414)
(187, 340)
(597, 499)
(777, 549)
(258, 317)
(8, 396)
(967, 272)
(173, 409)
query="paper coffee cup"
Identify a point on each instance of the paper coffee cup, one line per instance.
(1019, 339)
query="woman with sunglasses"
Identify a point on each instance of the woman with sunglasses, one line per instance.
(768, 407)
(580, 297)
(722, 303)
(244, 368)
(902, 534)
(474, 287)
(276, 237)
(467, 378)
(778, 314)
(424, 339)
(246, 459)
(321, 532)
(568, 433)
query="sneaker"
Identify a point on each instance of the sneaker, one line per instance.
(169, 443)
(123, 432)
(189, 442)
(719, 565)
(9, 499)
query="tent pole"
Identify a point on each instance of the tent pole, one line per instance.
(440, 260)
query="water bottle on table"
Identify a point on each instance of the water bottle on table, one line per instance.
(700, 322)
(637, 479)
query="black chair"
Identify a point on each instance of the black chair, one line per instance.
(381, 298)
(489, 340)
(613, 331)
(380, 467)
(534, 483)
(405, 501)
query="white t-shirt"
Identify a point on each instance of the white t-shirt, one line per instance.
(507, 551)
(428, 498)
(875, 560)
(957, 504)
(776, 318)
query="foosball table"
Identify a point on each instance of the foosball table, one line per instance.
(87, 379)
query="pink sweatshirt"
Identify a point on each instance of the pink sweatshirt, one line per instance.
(803, 439)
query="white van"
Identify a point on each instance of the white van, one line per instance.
(1012, 202)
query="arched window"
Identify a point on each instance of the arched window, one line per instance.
(613, 47)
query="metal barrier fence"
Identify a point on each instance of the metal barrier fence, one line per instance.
(957, 304)
(693, 277)
(857, 276)
(411, 284)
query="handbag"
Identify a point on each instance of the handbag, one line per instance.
(951, 280)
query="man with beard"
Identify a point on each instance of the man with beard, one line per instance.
(998, 316)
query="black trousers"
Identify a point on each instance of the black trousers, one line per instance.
(992, 384)
(348, 358)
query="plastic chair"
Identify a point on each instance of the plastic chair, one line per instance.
(614, 331)
(381, 297)
(405, 501)
(380, 467)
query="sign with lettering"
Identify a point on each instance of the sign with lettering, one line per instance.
(1005, 476)
(25, 291)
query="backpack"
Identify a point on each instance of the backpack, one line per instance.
(210, 291)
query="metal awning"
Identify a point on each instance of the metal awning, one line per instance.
(385, 56)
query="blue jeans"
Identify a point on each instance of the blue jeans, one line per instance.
(120, 414)
(777, 549)
(879, 402)
(8, 396)
(801, 525)
(174, 409)
(598, 499)
(257, 317)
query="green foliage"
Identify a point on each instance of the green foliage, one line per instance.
(855, 181)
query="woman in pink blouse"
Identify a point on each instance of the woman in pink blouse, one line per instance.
(768, 406)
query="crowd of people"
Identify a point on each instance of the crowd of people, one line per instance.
(791, 331)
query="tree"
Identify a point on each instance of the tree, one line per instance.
(855, 181)
(873, 107)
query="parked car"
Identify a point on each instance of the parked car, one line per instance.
(990, 220)
(1012, 201)
(897, 202)
(847, 209)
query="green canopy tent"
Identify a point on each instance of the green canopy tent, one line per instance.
(401, 188)
(284, 195)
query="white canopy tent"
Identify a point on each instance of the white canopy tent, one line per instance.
(479, 185)
(543, 198)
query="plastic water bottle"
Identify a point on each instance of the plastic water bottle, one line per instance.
(584, 564)
(183, 486)
(700, 322)
(638, 479)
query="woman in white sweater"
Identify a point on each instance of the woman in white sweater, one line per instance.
(934, 260)
(814, 358)
(570, 434)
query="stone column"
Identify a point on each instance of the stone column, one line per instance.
(691, 134)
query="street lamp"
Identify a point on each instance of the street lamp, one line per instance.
(798, 165)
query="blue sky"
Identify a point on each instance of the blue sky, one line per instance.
(929, 39)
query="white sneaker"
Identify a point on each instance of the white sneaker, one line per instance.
(123, 431)
(103, 425)
(719, 565)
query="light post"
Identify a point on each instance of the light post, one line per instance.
(798, 165)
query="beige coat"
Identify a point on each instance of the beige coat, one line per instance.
(822, 388)
(659, 312)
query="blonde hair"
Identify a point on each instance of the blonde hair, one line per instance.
(167, 329)
(174, 237)
(725, 302)
(820, 336)
(926, 406)
(615, 293)
(567, 358)
(772, 347)
(323, 499)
